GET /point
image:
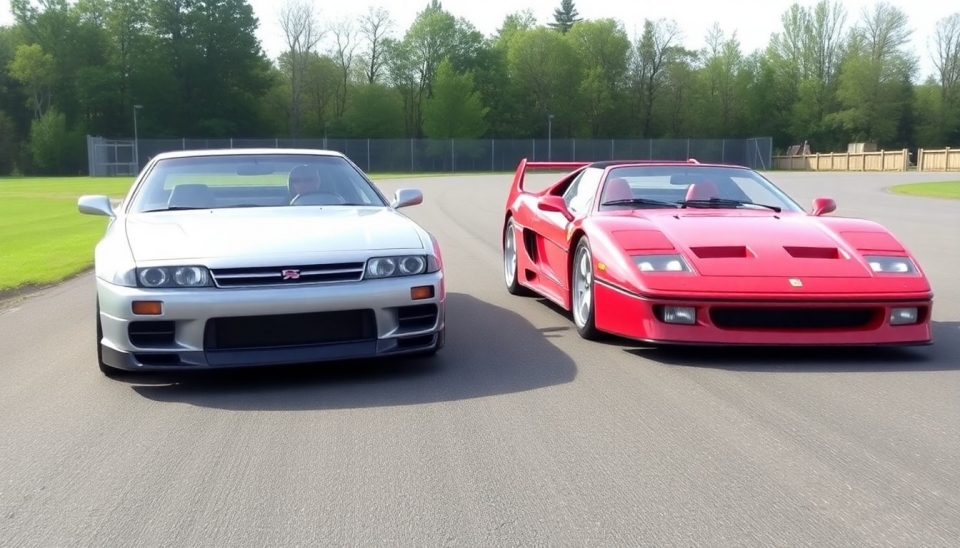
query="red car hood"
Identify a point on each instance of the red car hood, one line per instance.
(760, 244)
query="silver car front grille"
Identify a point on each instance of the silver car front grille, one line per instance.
(288, 275)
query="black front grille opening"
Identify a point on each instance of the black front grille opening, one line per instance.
(151, 333)
(158, 359)
(793, 318)
(417, 317)
(410, 343)
(290, 330)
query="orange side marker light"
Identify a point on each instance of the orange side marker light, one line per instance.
(421, 292)
(147, 308)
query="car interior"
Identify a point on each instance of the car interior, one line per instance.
(266, 186)
(676, 187)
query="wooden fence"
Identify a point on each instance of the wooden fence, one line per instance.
(938, 160)
(884, 160)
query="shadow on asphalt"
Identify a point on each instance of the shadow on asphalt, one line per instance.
(489, 351)
(942, 355)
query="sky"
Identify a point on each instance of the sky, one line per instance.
(753, 20)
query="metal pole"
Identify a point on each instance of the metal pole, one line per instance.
(550, 137)
(493, 162)
(136, 137)
(368, 154)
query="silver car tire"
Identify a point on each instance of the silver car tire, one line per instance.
(582, 296)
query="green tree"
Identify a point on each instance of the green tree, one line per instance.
(676, 100)
(603, 46)
(805, 57)
(37, 71)
(548, 71)
(565, 17)
(198, 69)
(376, 112)
(723, 86)
(513, 23)
(54, 149)
(456, 110)
(946, 60)
(8, 144)
(875, 90)
(656, 52)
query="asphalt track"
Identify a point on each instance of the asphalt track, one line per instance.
(518, 434)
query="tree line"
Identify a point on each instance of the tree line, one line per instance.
(197, 69)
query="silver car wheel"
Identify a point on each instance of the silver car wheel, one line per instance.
(510, 255)
(582, 287)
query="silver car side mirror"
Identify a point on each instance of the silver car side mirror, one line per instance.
(96, 205)
(406, 197)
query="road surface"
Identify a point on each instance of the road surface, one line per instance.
(518, 434)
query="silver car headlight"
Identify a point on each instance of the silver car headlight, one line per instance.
(125, 277)
(884, 264)
(662, 263)
(403, 265)
(157, 277)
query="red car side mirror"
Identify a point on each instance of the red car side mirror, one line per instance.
(554, 204)
(822, 206)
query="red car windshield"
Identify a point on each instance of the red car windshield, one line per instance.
(713, 186)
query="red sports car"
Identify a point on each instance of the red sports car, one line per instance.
(689, 253)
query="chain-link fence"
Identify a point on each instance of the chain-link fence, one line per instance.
(107, 157)
(476, 155)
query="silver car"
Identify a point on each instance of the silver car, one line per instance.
(229, 258)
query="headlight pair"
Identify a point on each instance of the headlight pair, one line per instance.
(662, 263)
(890, 264)
(158, 277)
(174, 276)
(402, 265)
(676, 263)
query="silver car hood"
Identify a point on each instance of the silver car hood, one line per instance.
(253, 232)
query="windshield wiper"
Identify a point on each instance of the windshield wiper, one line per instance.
(723, 202)
(639, 201)
(175, 208)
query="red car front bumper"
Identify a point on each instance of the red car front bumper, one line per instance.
(761, 322)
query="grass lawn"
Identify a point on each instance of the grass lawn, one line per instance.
(944, 189)
(44, 239)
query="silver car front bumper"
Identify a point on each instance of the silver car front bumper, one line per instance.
(236, 327)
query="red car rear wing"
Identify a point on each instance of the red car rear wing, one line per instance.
(525, 165)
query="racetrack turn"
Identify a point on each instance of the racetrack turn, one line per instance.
(518, 433)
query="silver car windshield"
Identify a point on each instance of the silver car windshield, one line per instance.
(253, 180)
